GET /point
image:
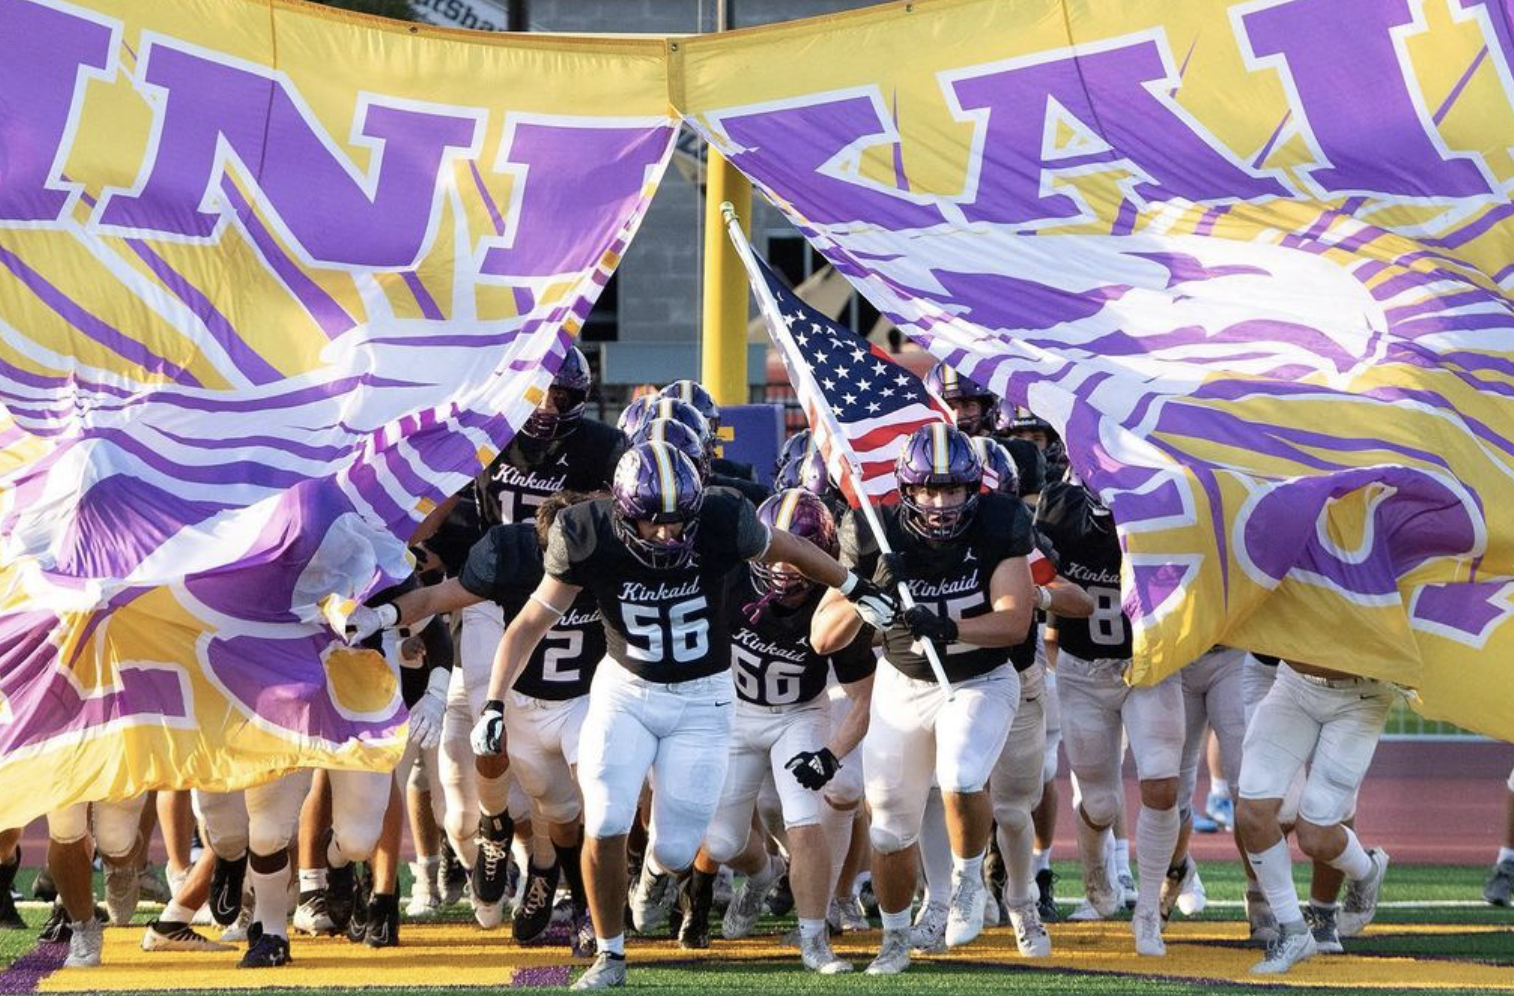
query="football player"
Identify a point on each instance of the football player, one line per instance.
(655, 557)
(1025, 424)
(976, 407)
(963, 557)
(1500, 884)
(692, 392)
(1335, 719)
(782, 730)
(1092, 657)
(117, 834)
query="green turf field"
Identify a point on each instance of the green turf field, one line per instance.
(1432, 935)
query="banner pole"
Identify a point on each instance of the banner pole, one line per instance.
(723, 345)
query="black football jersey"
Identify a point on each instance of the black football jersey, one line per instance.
(772, 660)
(721, 467)
(664, 625)
(748, 489)
(505, 567)
(530, 471)
(952, 578)
(1088, 554)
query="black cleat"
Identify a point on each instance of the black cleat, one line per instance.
(1046, 901)
(55, 929)
(451, 876)
(383, 922)
(781, 899)
(695, 897)
(357, 926)
(44, 888)
(491, 870)
(267, 951)
(10, 919)
(535, 913)
(341, 887)
(226, 890)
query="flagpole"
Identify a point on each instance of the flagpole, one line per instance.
(770, 309)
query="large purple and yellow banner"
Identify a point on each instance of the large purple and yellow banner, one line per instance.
(1254, 258)
(273, 282)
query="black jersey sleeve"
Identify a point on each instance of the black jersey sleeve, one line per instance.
(504, 566)
(570, 544)
(750, 490)
(729, 528)
(1004, 527)
(859, 549)
(856, 660)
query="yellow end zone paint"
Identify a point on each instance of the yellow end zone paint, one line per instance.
(447, 955)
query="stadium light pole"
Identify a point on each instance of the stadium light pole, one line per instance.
(723, 352)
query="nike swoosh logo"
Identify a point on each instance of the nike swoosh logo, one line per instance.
(721, 705)
(222, 909)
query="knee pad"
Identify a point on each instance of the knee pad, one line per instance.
(1101, 804)
(675, 851)
(357, 839)
(117, 828)
(68, 825)
(722, 845)
(886, 840)
(267, 836)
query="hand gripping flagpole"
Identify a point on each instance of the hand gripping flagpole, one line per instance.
(800, 373)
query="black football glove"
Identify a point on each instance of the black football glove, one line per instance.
(926, 625)
(814, 768)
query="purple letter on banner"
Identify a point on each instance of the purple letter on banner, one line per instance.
(1107, 91)
(1359, 109)
(562, 227)
(213, 109)
(44, 51)
(787, 148)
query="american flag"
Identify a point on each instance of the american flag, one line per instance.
(860, 404)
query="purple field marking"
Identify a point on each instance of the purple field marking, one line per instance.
(27, 971)
(540, 976)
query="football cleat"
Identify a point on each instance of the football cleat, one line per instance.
(383, 922)
(313, 914)
(747, 904)
(1359, 904)
(226, 882)
(928, 935)
(1147, 927)
(1259, 916)
(1294, 944)
(1321, 921)
(341, 894)
(1030, 934)
(651, 898)
(85, 942)
(1220, 809)
(607, 972)
(964, 915)
(268, 951)
(152, 886)
(491, 869)
(1499, 888)
(451, 876)
(1046, 899)
(893, 953)
(1179, 879)
(850, 914)
(237, 932)
(1129, 894)
(695, 898)
(535, 913)
(1100, 895)
(816, 954)
(781, 899)
(164, 935)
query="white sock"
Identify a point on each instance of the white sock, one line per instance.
(270, 900)
(177, 912)
(1219, 786)
(1091, 844)
(612, 945)
(968, 867)
(312, 879)
(1122, 856)
(1274, 872)
(1042, 860)
(902, 920)
(1156, 839)
(1505, 854)
(811, 928)
(1352, 860)
(1015, 843)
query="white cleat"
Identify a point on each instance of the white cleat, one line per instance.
(817, 956)
(1030, 934)
(1359, 904)
(853, 917)
(1147, 927)
(928, 935)
(237, 932)
(123, 887)
(748, 901)
(893, 954)
(607, 972)
(1100, 893)
(1174, 884)
(161, 936)
(85, 943)
(487, 915)
(1295, 943)
(1129, 894)
(651, 900)
(964, 917)
(1193, 900)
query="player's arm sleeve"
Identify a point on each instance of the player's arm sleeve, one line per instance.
(750, 537)
(859, 549)
(558, 560)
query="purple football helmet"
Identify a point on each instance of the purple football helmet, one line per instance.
(796, 511)
(636, 414)
(951, 387)
(680, 437)
(795, 446)
(1000, 474)
(938, 456)
(810, 473)
(571, 387)
(682, 411)
(656, 483)
(693, 392)
(1028, 425)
